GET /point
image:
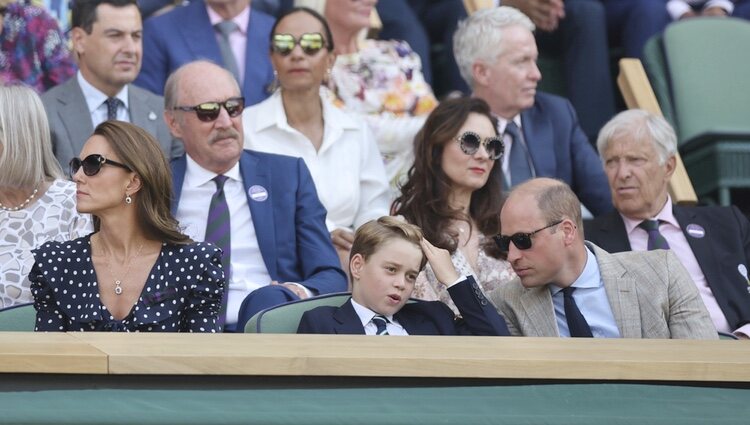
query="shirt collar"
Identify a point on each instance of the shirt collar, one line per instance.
(271, 113)
(196, 175)
(502, 123)
(666, 215)
(242, 19)
(365, 314)
(589, 277)
(94, 97)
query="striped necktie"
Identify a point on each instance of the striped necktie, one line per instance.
(381, 323)
(655, 239)
(218, 233)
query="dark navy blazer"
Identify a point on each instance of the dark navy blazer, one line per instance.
(185, 34)
(724, 247)
(478, 316)
(559, 149)
(289, 223)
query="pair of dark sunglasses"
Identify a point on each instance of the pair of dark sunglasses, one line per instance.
(522, 241)
(92, 164)
(470, 142)
(310, 43)
(209, 111)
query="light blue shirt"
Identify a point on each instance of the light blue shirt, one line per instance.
(591, 298)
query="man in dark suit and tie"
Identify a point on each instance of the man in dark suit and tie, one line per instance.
(713, 243)
(496, 52)
(386, 257)
(106, 39)
(226, 32)
(261, 209)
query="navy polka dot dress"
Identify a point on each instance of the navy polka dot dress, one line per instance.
(182, 294)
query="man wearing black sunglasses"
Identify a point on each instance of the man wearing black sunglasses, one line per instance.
(261, 209)
(570, 287)
(106, 38)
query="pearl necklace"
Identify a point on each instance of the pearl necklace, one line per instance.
(23, 204)
(118, 282)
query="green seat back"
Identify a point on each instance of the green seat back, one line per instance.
(656, 69)
(19, 318)
(709, 63)
(284, 318)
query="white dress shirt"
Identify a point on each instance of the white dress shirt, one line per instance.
(248, 272)
(95, 102)
(366, 315)
(347, 170)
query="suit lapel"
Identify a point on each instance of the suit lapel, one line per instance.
(539, 312)
(255, 58)
(347, 321)
(613, 233)
(538, 134)
(179, 166)
(74, 114)
(621, 293)
(704, 253)
(255, 173)
(140, 113)
(413, 323)
(201, 39)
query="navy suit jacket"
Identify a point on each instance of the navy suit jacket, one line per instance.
(289, 224)
(478, 316)
(724, 247)
(559, 149)
(185, 34)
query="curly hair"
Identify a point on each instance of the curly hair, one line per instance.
(424, 197)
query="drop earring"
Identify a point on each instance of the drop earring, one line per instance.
(128, 199)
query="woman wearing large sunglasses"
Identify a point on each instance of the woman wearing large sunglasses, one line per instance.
(298, 120)
(37, 202)
(380, 79)
(137, 272)
(453, 193)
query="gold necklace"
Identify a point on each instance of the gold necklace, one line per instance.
(22, 204)
(118, 282)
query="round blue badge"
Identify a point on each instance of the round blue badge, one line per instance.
(696, 230)
(258, 193)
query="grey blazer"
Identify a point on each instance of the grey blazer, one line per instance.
(70, 122)
(650, 293)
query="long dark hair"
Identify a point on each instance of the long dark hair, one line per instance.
(137, 149)
(424, 197)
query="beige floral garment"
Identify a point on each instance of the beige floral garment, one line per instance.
(492, 272)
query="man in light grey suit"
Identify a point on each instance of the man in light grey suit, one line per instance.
(106, 38)
(569, 287)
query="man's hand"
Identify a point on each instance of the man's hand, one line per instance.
(546, 14)
(298, 291)
(714, 11)
(342, 239)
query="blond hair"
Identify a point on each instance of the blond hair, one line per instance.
(373, 234)
(26, 156)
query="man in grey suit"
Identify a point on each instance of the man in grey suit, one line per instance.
(569, 287)
(106, 39)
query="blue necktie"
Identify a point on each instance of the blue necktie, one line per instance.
(655, 239)
(381, 323)
(218, 233)
(577, 324)
(520, 170)
(112, 104)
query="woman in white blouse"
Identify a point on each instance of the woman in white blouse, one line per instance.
(299, 120)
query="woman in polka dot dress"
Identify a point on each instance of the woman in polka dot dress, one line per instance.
(137, 271)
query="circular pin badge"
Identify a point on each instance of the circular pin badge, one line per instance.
(258, 193)
(696, 230)
(743, 270)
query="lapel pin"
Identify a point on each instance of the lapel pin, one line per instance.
(743, 271)
(695, 230)
(152, 116)
(257, 193)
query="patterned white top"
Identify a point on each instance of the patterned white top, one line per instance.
(53, 217)
(492, 273)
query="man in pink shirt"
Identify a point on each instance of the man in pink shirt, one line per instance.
(713, 243)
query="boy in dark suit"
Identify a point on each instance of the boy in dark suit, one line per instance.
(386, 257)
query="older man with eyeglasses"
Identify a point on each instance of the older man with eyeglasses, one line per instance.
(572, 288)
(261, 209)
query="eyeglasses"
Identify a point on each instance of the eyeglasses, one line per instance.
(311, 43)
(209, 111)
(522, 241)
(92, 164)
(470, 142)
